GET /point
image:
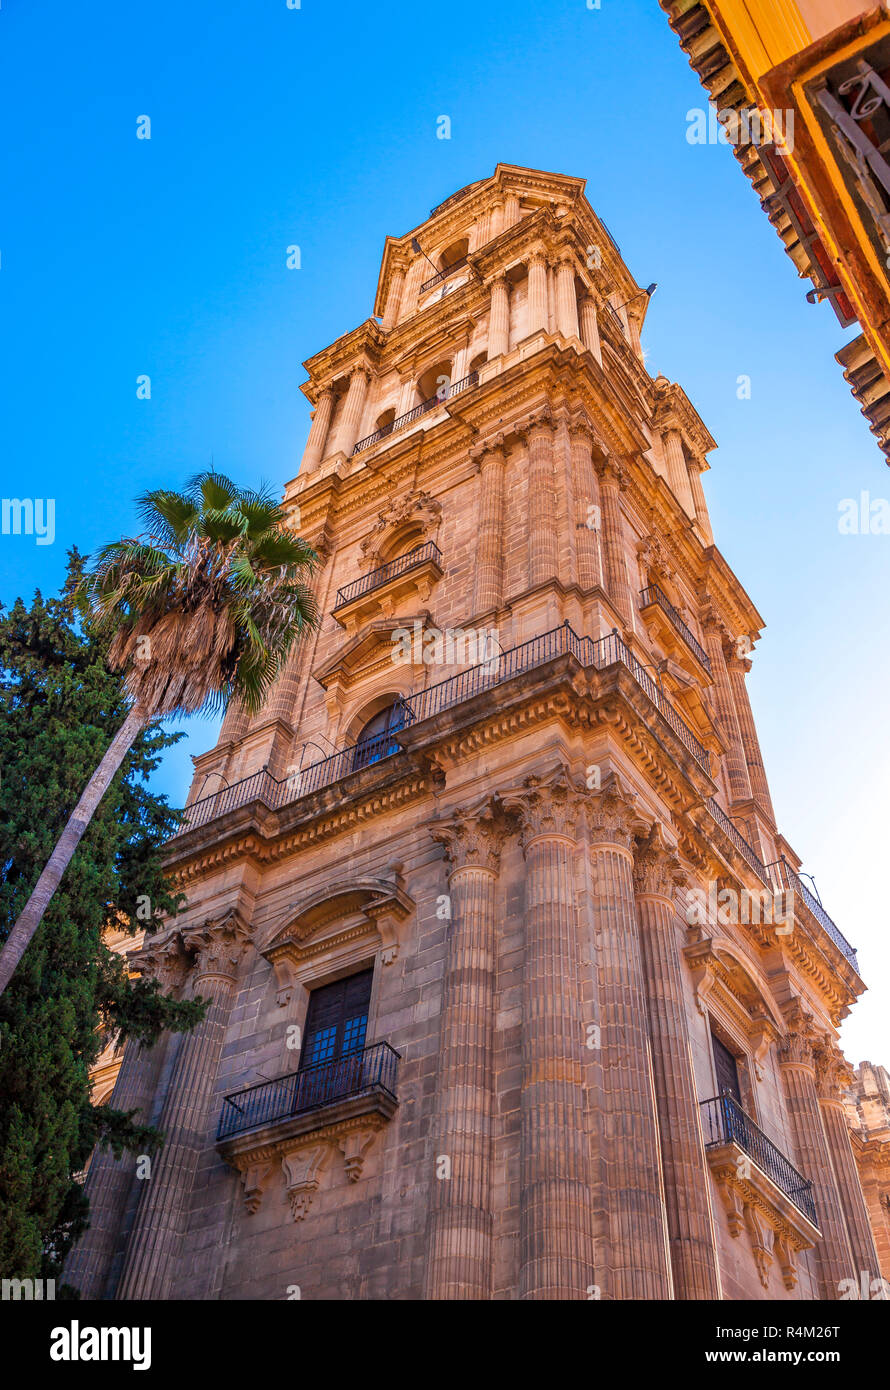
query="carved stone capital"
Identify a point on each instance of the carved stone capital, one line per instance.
(166, 961)
(834, 1075)
(612, 815)
(473, 838)
(657, 870)
(217, 946)
(798, 1045)
(547, 805)
(611, 471)
(302, 1175)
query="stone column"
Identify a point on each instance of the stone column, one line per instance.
(834, 1258)
(110, 1179)
(496, 219)
(702, 519)
(678, 473)
(566, 300)
(353, 409)
(537, 293)
(490, 532)
(738, 668)
(318, 433)
(511, 210)
(460, 1258)
(235, 723)
(542, 537)
(394, 298)
(588, 508)
(736, 763)
(556, 1196)
(612, 479)
(833, 1073)
(590, 333)
(639, 1260)
(185, 1120)
(690, 1226)
(417, 272)
(499, 319)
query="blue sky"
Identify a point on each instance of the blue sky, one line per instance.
(316, 126)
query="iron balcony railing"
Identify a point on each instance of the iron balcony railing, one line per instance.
(443, 274)
(654, 594)
(725, 1122)
(494, 670)
(384, 573)
(751, 859)
(782, 876)
(357, 1073)
(416, 411)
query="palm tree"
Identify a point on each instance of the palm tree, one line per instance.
(202, 608)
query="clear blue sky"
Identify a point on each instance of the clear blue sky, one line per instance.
(317, 126)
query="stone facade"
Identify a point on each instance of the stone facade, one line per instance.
(514, 775)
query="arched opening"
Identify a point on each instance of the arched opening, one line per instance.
(377, 738)
(385, 420)
(401, 542)
(435, 383)
(478, 361)
(454, 253)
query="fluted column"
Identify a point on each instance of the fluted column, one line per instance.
(542, 537)
(353, 409)
(499, 318)
(490, 524)
(833, 1073)
(460, 1257)
(678, 473)
(690, 1226)
(556, 1197)
(318, 433)
(236, 722)
(185, 1119)
(511, 210)
(738, 668)
(834, 1258)
(110, 1179)
(537, 293)
(736, 762)
(417, 272)
(702, 518)
(566, 300)
(639, 1260)
(588, 508)
(612, 479)
(394, 298)
(590, 333)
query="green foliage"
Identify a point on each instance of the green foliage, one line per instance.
(59, 708)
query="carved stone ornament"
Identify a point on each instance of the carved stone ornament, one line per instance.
(548, 803)
(417, 506)
(302, 1175)
(612, 814)
(473, 837)
(657, 870)
(218, 946)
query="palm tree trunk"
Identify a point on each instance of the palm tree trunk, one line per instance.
(32, 913)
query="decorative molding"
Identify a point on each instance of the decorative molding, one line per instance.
(473, 837)
(302, 1174)
(657, 870)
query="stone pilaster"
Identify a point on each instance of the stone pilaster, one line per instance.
(542, 537)
(110, 1179)
(690, 1225)
(639, 1260)
(738, 668)
(588, 509)
(499, 317)
(537, 293)
(590, 333)
(185, 1120)
(315, 449)
(833, 1074)
(566, 300)
(678, 473)
(796, 1055)
(611, 479)
(394, 298)
(460, 1258)
(511, 210)
(736, 762)
(702, 518)
(556, 1197)
(490, 542)
(353, 408)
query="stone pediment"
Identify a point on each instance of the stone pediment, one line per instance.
(367, 652)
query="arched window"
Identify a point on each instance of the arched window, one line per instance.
(377, 739)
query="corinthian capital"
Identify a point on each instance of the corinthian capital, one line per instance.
(834, 1075)
(165, 960)
(547, 804)
(474, 837)
(217, 946)
(657, 870)
(612, 815)
(798, 1046)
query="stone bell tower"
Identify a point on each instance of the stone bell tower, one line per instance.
(516, 988)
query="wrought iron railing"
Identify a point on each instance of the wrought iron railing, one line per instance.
(375, 578)
(741, 844)
(782, 876)
(416, 411)
(494, 669)
(357, 1073)
(443, 274)
(725, 1122)
(654, 594)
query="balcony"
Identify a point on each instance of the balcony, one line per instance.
(415, 413)
(426, 704)
(443, 274)
(724, 1122)
(372, 1072)
(655, 605)
(390, 585)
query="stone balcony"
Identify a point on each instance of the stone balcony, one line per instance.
(389, 587)
(670, 628)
